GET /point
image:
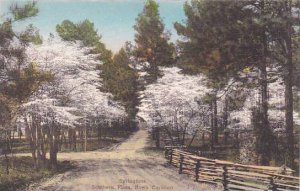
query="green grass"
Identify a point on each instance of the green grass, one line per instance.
(151, 149)
(22, 173)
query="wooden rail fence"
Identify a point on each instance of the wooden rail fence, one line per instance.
(232, 176)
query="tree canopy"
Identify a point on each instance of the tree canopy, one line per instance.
(86, 33)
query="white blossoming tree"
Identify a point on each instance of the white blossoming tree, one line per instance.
(172, 105)
(71, 100)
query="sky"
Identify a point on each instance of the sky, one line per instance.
(114, 19)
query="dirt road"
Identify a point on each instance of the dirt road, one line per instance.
(127, 167)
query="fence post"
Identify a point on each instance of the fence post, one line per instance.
(225, 178)
(166, 153)
(273, 186)
(181, 163)
(197, 170)
(171, 157)
(284, 169)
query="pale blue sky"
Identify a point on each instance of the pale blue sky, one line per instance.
(114, 19)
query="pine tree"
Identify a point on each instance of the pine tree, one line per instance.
(224, 39)
(209, 47)
(151, 40)
(283, 26)
(120, 78)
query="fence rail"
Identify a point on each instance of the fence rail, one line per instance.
(232, 176)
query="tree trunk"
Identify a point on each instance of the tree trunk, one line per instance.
(157, 141)
(194, 135)
(215, 123)
(74, 140)
(5, 154)
(265, 141)
(81, 134)
(38, 144)
(225, 115)
(85, 138)
(30, 137)
(236, 140)
(183, 136)
(10, 144)
(226, 134)
(53, 138)
(212, 134)
(43, 145)
(288, 80)
(99, 133)
(20, 134)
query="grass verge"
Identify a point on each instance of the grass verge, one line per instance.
(22, 173)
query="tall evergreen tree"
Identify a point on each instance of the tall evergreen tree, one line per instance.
(283, 25)
(120, 78)
(151, 39)
(223, 39)
(209, 30)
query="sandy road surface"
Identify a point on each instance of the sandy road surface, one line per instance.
(124, 168)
